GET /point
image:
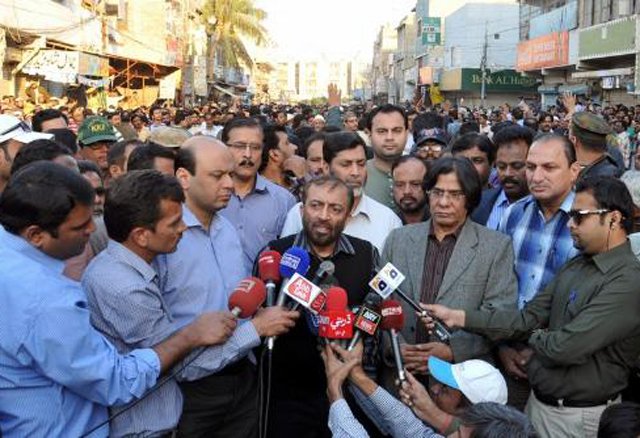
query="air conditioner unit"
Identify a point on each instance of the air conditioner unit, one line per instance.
(624, 8)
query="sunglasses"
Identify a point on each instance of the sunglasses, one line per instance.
(579, 215)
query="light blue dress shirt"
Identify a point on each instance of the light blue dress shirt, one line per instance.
(400, 420)
(199, 277)
(259, 216)
(127, 306)
(57, 373)
(499, 207)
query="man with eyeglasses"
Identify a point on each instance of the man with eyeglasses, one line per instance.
(583, 329)
(14, 134)
(542, 242)
(451, 259)
(95, 136)
(429, 145)
(258, 208)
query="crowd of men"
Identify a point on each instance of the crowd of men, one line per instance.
(124, 235)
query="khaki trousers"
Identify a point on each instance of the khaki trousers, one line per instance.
(564, 422)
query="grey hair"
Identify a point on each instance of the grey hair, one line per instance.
(493, 420)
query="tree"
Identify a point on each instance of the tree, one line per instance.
(226, 23)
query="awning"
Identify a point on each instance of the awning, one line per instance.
(574, 89)
(625, 71)
(548, 89)
(224, 90)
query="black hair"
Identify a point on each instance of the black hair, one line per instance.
(116, 153)
(467, 175)
(567, 146)
(406, 158)
(238, 122)
(531, 123)
(388, 108)
(620, 420)
(513, 133)
(44, 115)
(517, 113)
(610, 193)
(143, 157)
(493, 420)
(337, 142)
(38, 150)
(333, 183)
(318, 136)
(471, 140)
(186, 159)
(469, 128)
(133, 200)
(43, 194)
(65, 137)
(86, 166)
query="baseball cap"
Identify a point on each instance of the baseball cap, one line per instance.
(433, 134)
(95, 129)
(169, 137)
(12, 128)
(478, 380)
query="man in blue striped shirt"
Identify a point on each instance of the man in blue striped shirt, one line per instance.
(57, 373)
(538, 227)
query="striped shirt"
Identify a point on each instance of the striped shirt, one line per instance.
(499, 207)
(541, 247)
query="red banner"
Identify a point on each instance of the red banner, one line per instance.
(550, 50)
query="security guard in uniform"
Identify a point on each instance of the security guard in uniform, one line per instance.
(588, 133)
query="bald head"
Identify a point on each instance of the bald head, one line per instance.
(205, 169)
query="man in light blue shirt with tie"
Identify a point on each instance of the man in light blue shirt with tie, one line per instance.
(220, 390)
(58, 374)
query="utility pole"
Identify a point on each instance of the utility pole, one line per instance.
(483, 66)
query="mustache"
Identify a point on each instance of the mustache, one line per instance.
(247, 163)
(511, 180)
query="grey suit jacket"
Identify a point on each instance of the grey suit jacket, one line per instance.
(480, 275)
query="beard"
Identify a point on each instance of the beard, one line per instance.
(411, 207)
(318, 237)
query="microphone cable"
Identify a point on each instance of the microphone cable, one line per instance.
(265, 391)
(157, 386)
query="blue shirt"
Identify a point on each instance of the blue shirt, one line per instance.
(541, 247)
(57, 373)
(127, 306)
(499, 207)
(259, 216)
(384, 407)
(199, 277)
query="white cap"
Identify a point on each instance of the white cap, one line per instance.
(478, 380)
(12, 128)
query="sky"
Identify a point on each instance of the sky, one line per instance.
(339, 28)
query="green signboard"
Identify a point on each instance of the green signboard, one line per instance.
(504, 80)
(431, 30)
(615, 38)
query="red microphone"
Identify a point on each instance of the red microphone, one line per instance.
(247, 297)
(393, 320)
(269, 272)
(336, 321)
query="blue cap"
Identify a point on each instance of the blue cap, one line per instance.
(442, 372)
(294, 260)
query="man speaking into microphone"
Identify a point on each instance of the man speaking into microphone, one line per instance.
(299, 404)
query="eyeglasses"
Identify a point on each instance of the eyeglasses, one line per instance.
(432, 147)
(578, 215)
(454, 195)
(241, 146)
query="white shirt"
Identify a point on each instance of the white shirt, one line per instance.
(370, 221)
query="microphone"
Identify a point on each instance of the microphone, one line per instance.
(269, 272)
(336, 321)
(294, 261)
(393, 320)
(367, 319)
(388, 280)
(326, 269)
(247, 297)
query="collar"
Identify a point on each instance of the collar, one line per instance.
(364, 207)
(343, 244)
(20, 245)
(565, 206)
(191, 221)
(130, 258)
(606, 261)
(261, 184)
(502, 199)
(455, 234)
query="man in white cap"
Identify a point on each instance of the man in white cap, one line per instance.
(14, 134)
